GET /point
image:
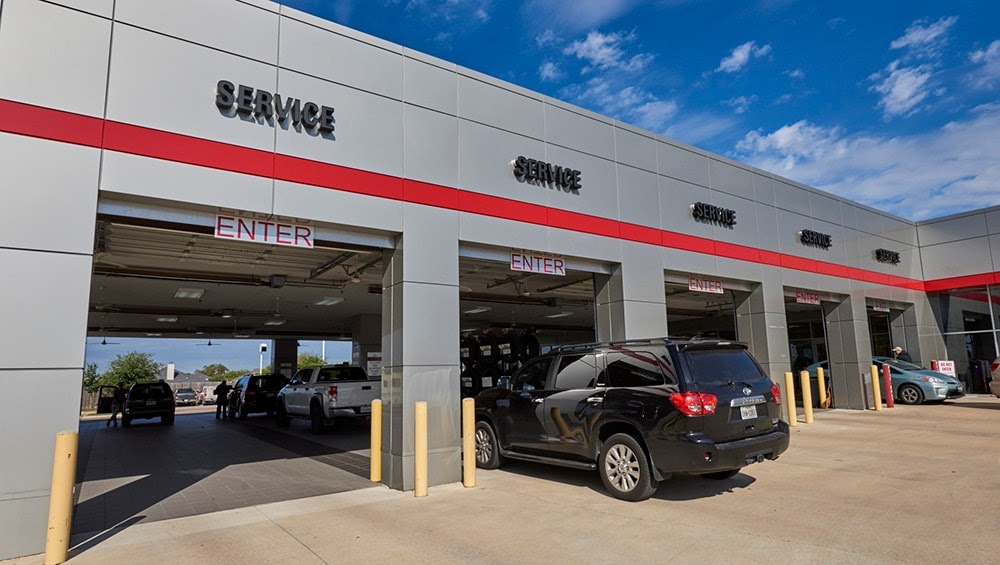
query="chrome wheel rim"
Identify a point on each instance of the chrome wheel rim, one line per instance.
(621, 466)
(909, 395)
(484, 446)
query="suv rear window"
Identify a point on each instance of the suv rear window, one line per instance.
(721, 366)
(148, 391)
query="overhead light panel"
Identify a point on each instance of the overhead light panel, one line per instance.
(150, 334)
(275, 322)
(478, 310)
(329, 301)
(227, 313)
(559, 315)
(168, 319)
(189, 293)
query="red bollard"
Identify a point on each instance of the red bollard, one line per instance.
(887, 384)
(934, 365)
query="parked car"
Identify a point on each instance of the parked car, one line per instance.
(207, 394)
(995, 377)
(185, 397)
(149, 400)
(255, 393)
(636, 412)
(913, 384)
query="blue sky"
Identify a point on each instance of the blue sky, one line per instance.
(893, 104)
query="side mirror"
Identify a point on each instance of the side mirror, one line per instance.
(504, 383)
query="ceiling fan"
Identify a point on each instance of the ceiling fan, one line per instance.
(104, 341)
(209, 344)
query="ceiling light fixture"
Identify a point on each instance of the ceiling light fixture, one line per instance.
(559, 315)
(329, 301)
(189, 293)
(478, 310)
(274, 323)
(169, 319)
(150, 334)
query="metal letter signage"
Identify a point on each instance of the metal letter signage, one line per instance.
(260, 231)
(531, 263)
(886, 256)
(713, 214)
(705, 285)
(804, 297)
(261, 103)
(816, 239)
(546, 173)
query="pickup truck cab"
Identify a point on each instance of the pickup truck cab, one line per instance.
(324, 393)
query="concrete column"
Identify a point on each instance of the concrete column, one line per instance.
(420, 347)
(631, 301)
(366, 337)
(761, 323)
(849, 344)
(284, 356)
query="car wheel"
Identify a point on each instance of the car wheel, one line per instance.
(167, 419)
(625, 470)
(910, 394)
(282, 415)
(317, 423)
(487, 449)
(243, 411)
(721, 475)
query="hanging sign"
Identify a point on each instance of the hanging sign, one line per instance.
(531, 263)
(261, 231)
(705, 285)
(804, 297)
(880, 307)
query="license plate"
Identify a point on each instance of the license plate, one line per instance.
(748, 412)
(150, 403)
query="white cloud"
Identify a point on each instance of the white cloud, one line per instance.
(630, 103)
(472, 11)
(576, 16)
(796, 73)
(949, 170)
(546, 38)
(741, 104)
(605, 52)
(550, 72)
(741, 55)
(902, 88)
(925, 39)
(696, 128)
(987, 75)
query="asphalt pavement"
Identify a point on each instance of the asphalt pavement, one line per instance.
(912, 484)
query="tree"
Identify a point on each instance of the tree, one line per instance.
(306, 359)
(130, 368)
(91, 378)
(214, 370)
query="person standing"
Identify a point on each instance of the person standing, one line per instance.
(117, 404)
(902, 355)
(221, 400)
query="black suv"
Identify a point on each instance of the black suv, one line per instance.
(637, 411)
(149, 400)
(254, 393)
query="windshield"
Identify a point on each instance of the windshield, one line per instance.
(904, 365)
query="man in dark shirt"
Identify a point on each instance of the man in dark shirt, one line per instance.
(221, 400)
(902, 355)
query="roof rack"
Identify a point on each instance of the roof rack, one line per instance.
(643, 341)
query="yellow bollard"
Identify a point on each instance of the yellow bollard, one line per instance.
(61, 498)
(807, 394)
(793, 418)
(876, 389)
(469, 442)
(420, 449)
(376, 446)
(821, 387)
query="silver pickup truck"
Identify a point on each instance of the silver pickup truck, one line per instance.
(326, 392)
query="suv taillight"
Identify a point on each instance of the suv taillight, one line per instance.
(332, 392)
(695, 403)
(776, 393)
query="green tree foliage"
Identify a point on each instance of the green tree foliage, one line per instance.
(91, 378)
(214, 370)
(306, 359)
(130, 368)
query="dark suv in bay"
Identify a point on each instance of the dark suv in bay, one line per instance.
(149, 400)
(636, 411)
(254, 393)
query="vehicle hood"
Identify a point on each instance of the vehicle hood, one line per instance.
(929, 373)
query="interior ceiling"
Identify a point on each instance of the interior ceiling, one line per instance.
(263, 291)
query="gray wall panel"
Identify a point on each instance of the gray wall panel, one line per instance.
(968, 257)
(255, 37)
(995, 251)
(993, 221)
(764, 219)
(485, 163)
(789, 224)
(730, 179)
(599, 193)
(825, 208)
(102, 8)
(635, 149)
(849, 214)
(742, 233)
(504, 109)
(870, 222)
(575, 131)
(504, 233)
(357, 63)
(792, 198)
(430, 146)
(900, 232)
(953, 229)
(79, 58)
(48, 207)
(676, 198)
(689, 262)
(430, 83)
(679, 163)
(566, 242)
(337, 207)
(638, 196)
(763, 189)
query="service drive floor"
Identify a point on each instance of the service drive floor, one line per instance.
(914, 485)
(200, 464)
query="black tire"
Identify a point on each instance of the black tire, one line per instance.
(126, 422)
(243, 411)
(910, 394)
(721, 475)
(624, 469)
(282, 415)
(317, 423)
(487, 449)
(167, 419)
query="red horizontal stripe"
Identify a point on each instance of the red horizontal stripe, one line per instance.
(46, 123)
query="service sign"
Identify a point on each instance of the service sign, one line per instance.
(803, 297)
(529, 262)
(263, 231)
(705, 285)
(946, 367)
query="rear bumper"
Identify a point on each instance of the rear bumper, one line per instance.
(697, 454)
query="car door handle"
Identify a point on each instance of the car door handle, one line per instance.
(595, 400)
(538, 400)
